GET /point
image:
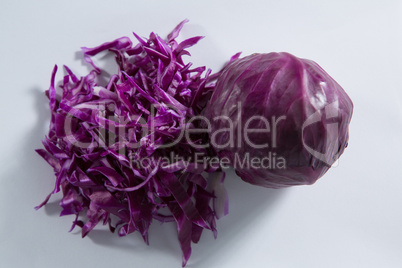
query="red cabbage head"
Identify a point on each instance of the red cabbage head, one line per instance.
(279, 120)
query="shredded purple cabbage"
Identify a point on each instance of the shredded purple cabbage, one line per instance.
(100, 132)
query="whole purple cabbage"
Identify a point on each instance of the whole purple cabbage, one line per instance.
(278, 120)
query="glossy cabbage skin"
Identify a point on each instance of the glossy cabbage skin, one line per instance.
(306, 109)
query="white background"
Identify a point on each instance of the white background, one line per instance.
(352, 217)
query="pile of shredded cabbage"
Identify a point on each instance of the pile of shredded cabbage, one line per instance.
(99, 132)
